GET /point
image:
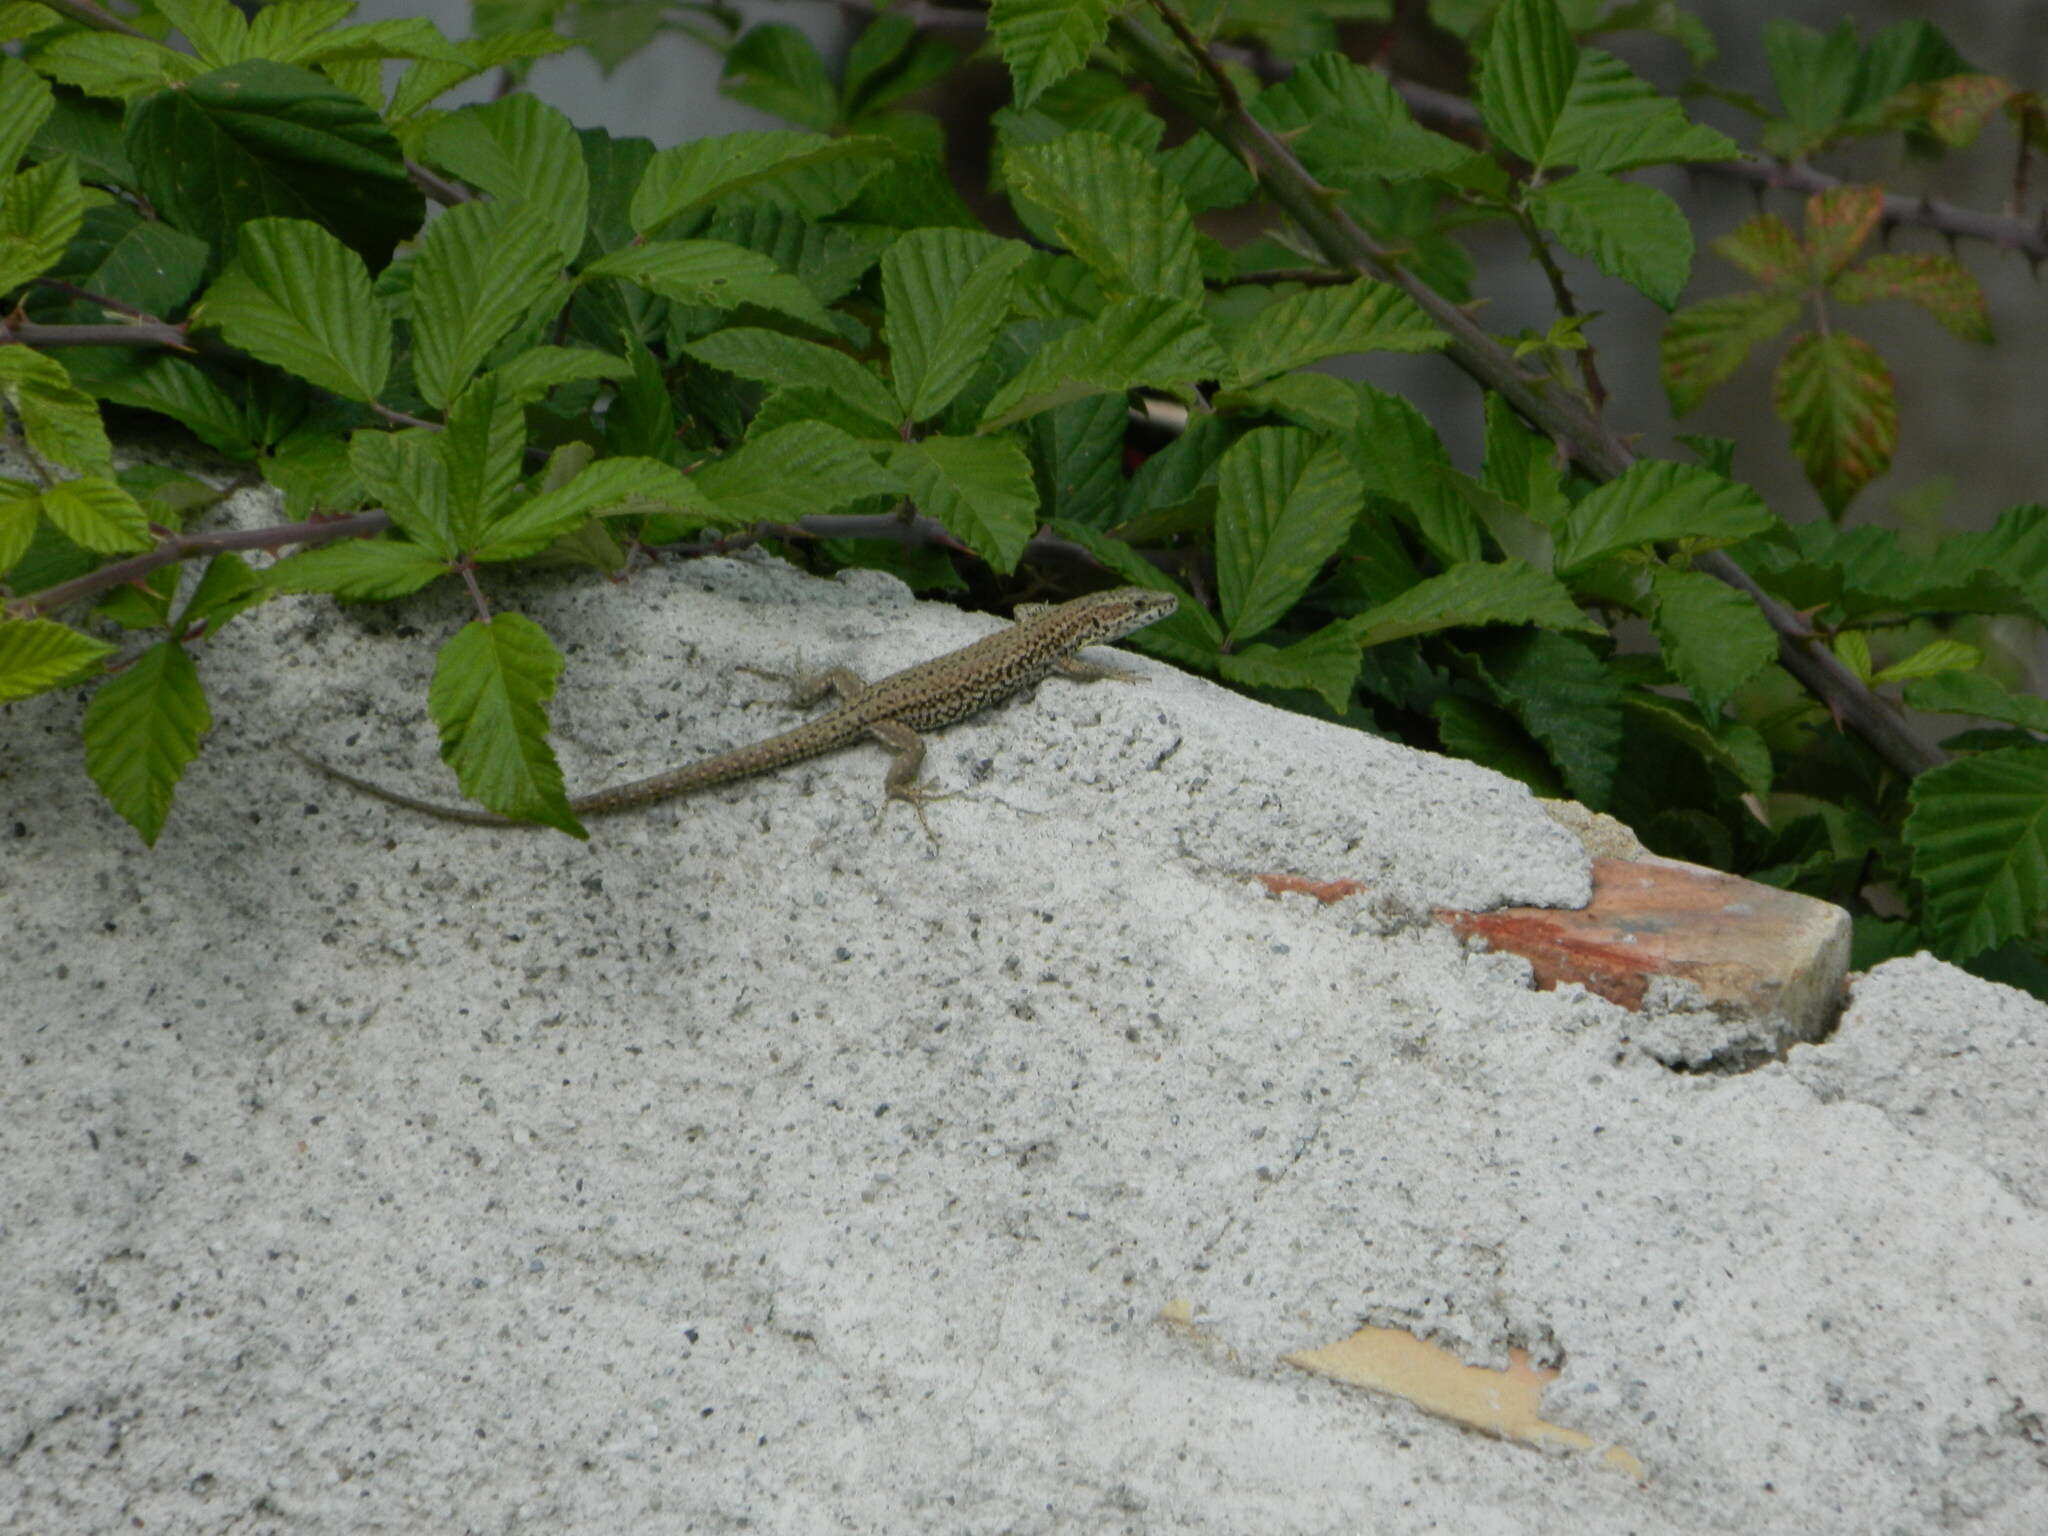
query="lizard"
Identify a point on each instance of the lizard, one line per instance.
(1045, 640)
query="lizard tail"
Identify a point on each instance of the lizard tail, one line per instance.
(464, 813)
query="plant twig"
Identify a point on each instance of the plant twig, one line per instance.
(113, 333)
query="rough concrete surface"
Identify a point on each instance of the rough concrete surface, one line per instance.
(759, 1166)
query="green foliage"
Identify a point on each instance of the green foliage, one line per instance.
(600, 344)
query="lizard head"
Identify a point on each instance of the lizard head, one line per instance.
(1113, 614)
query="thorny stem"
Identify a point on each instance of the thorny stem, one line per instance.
(1560, 291)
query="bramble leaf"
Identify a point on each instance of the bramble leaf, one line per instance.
(1834, 393)
(1634, 232)
(1979, 838)
(492, 683)
(141, 729)
(297, 297)
(980, 488)
(1285, 503)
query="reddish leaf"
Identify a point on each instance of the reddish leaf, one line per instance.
(1838, 221)
(1835, 394)
(1767, 250)
(1706, 343)
(1957, 106)
(1941, 285)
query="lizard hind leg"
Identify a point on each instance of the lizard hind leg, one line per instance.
(900, 783)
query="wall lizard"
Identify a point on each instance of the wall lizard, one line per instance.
(1045, 640)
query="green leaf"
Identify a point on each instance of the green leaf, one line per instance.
(1979, 838)
(794, 472)
(1713, 637)
(1471, 594)
(776, 69)
(1614, 121)
(773, 358)
(59, 420)
(1972, 693)
(945, 291)
(520, 150)
(40, 210)
(1522, 467)
(1318, 323)
(141, 729)
(532, 373)
(430, 77)
(1077, 453)
(1815, 74)
(830, 258)
(94, 512)
(616, 486)
(406, 474)
(482, 267)
(483, 448)
(297, 297)
(1483, 734)
(714, 274)
(112, 65)
(1530, 62)
(38, 655)
(1635, 233)
(980, 488)
(260, 139)
(1941, 285)
(1325, 663)
(173, 387)
(151, 266)
(215, 29)
(1737, 749)
(20, 507)
(1044, 41)
(1113, 209)
(706, 170)
(1285, 504)
(357, 569)
(26, 102)
(1656, 500)
(492, 684)
(1398, 455)
(1706, 343)
(1567, 698)
(1835, 395)
(1931, 660)
(226, 588)
(1163, 343)
(1350, 127)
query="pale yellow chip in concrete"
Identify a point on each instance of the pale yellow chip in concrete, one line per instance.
(1506, 1403)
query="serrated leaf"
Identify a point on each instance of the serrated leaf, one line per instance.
(1766, 248)
(429, 77)
(1713, 637)
(794, 472)
(1077, 453)
(714, 274)
(1972, 693)
(492, 684)
(1957, 107)
(94, 512)
(520, 150)
(216, 30)
(40, 211)
(1979, 838)
(1530, 62)
(483, 448)
(1044, 41)
(261, 139)
(776, 69)
(1931, 660)
(141, 729)
(1112, 208)
(38, 655)
(1614, 121)
(946, 291)
(532, 373)
(1472, 594)
(1522, 467)
(357, 569)
(114, 65)
(481, 268)
(26, 102)
(1398, 455)
(1325, 663)
(1656, 500)
(1635, 233)
(686, 176)
(1565, 697)
(1815, 74)
(1738, 749)
(1834, 393)
(1285, 504)
(151, 266)
(60, 421)
(1706, 343)
(773, 358)
(297, 297)
(20, 508)
(1163, 343)
(980, 488)
(830, 258)
(181, 390)
(1838, 221)
(1319, 323)
(617, 485)
(1488, 735)
(1941, 285)
(1852, 650)
(1351, 127)
(405, 473)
